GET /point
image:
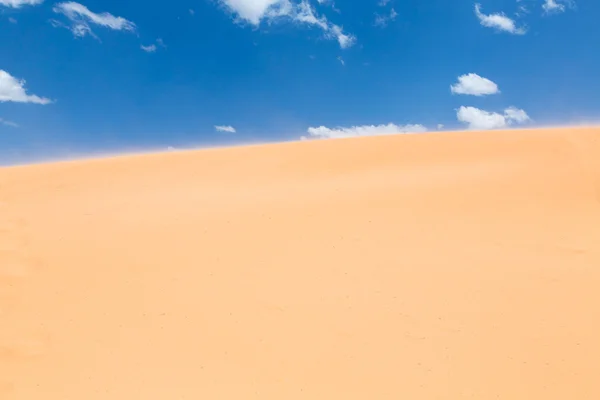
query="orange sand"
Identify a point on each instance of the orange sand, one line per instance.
(437, 266)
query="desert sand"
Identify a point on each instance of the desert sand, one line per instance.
(435, 266)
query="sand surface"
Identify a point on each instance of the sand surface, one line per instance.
(437, 266)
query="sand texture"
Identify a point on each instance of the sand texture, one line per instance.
(435, 266)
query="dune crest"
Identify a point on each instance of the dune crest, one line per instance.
(452, 265)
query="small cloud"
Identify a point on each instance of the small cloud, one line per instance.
(13, 89)
(557, 6)
(12, 20)
(149, 49)
(341, 60)
(440, 127)
(153, 47)
(483, 120)
(192, 12)
(329, 3)
(475, 85)
(323, 132)
(383, 3)
(498, 21)
(384, 20)
(20, 3)
(312, 57)
(81, 18)
(225, 128)
(8, 123)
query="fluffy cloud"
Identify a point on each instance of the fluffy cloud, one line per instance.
(8, 123)
(225, 128)
(81, 18)
(20, 3)
(256, 11)
(13, 89)
(483, 120)
(498, 21)
(474, 85)
(323, 132)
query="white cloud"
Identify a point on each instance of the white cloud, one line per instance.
(225, 128)
(149, 49)
(323, 132)
(556, 6)
(517, 115)
(256, 11)
(20, 3)
(498, 21)
(13, 89)
(343, 39)
(252, 10)
(81, 17)
(341, 60)
(8, 123)
(474, 85)
(552, 6)
(483, 120)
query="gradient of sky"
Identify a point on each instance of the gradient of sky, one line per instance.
(105, 76)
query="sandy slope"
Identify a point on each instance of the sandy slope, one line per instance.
(440, 266)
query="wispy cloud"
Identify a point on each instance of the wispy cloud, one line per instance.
(475, 85)
(329, 3)
(225, 128)
(20, 3)
(384, 20)
(557, 6)
(149, 49)
(257, 11)
(8, 123)
(81, 18)
(13, 89)
(484, 120)
(498, 21)
(323, 132)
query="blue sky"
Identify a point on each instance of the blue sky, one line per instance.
(75, 79)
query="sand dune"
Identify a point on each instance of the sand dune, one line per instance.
(437, 266)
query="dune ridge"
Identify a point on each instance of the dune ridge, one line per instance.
(450, 265)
